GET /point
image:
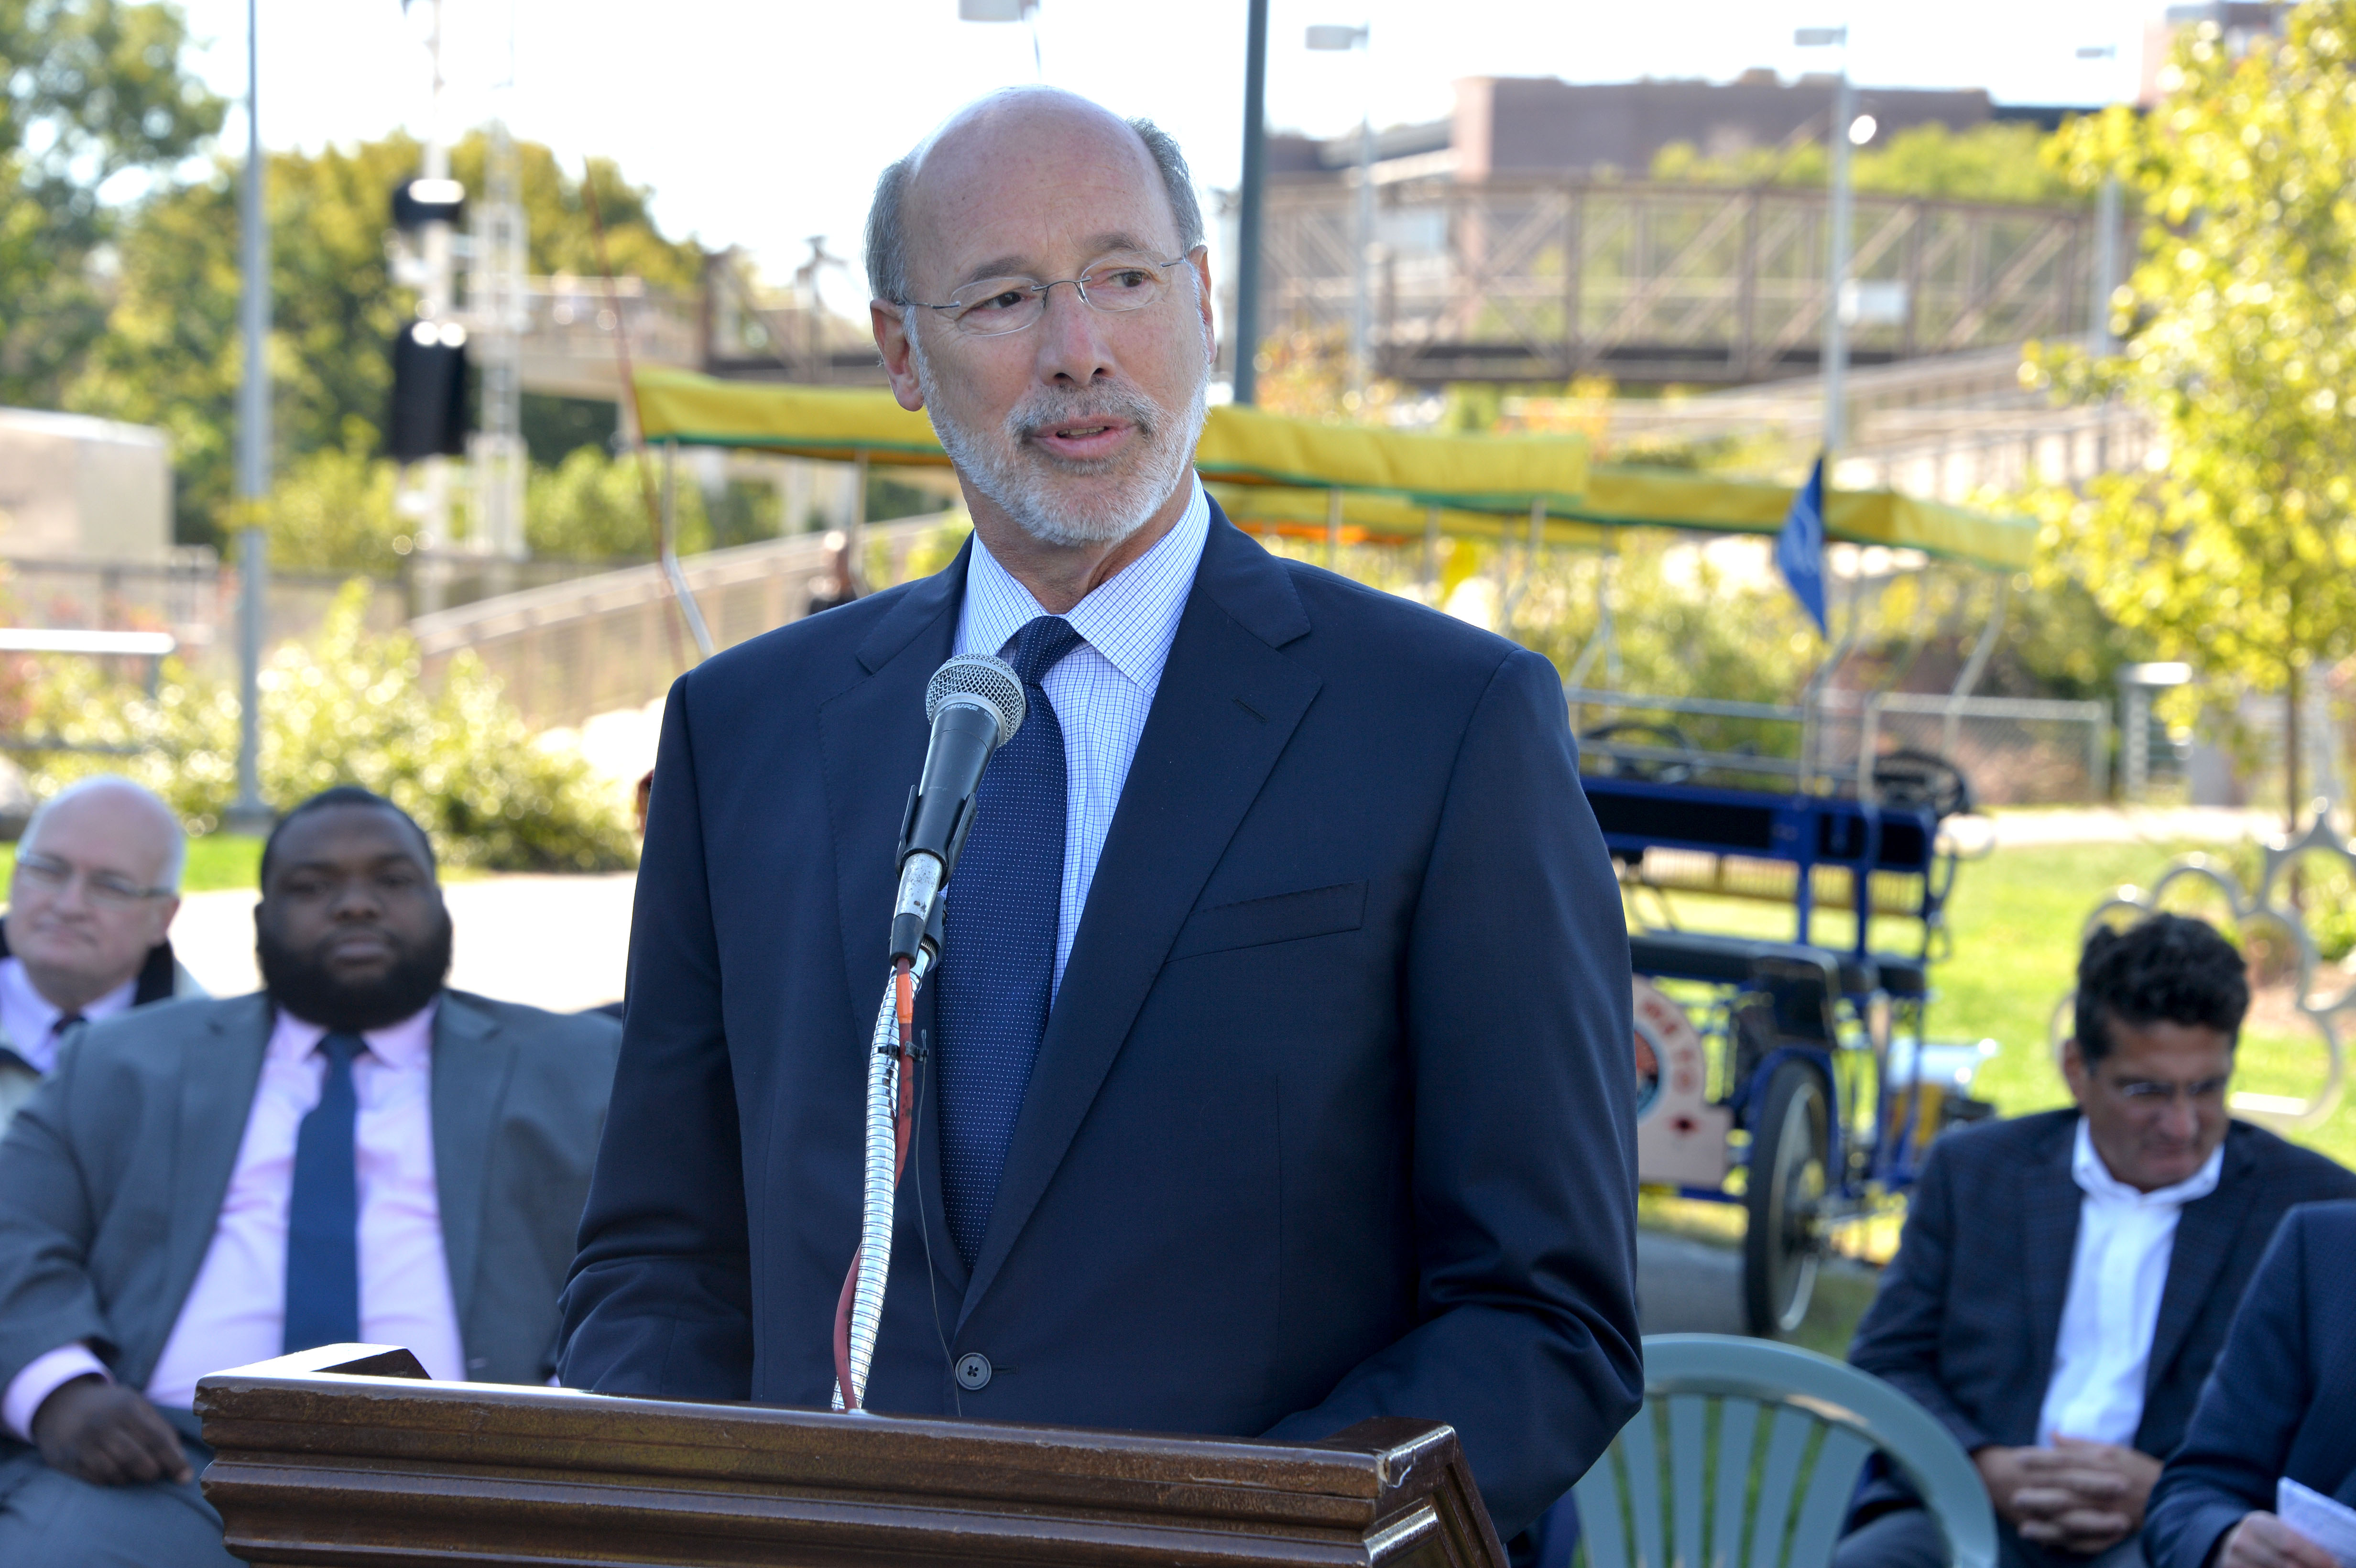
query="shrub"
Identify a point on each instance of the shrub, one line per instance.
(350, 709)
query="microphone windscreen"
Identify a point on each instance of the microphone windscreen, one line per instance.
(982, 676)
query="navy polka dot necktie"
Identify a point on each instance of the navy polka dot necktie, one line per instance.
(998, 949)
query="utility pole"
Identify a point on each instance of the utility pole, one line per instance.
(495, 297)
(248, 814)
(1248, 203)
(430, 502)
(1837, 303)
(1328, 36)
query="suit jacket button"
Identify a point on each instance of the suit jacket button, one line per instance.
(973, 1370)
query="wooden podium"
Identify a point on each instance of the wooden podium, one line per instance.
(349, 1456)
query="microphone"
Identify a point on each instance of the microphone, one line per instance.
(974, 704)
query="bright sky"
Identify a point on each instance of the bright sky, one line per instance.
(759, 124)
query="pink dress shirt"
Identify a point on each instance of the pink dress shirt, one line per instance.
(235, 1312)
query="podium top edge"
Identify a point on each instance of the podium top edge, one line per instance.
(1362, 1463)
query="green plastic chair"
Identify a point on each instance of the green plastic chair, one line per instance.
(1737, 1503)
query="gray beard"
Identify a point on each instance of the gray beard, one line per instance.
(1020, 481)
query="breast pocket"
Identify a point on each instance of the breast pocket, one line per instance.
(1280, 917)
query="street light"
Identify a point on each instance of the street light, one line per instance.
(1848, 128)
(1332, 37)
(1248, 201)
(2099, 342)
(248, 814)
(1007, 11)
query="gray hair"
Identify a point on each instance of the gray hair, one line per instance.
(175, 859)
(887, 234)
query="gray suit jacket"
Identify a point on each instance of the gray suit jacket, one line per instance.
(112, 1175)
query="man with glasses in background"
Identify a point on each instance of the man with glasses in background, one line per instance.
(2065, 1280)
(1277, 1071)
(96, 883)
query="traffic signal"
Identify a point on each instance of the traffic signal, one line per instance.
(431, 412)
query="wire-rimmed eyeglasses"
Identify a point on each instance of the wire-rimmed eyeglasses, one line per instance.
(991, 307)
(50, 875)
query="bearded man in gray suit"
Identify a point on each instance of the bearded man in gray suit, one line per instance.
(355, 1153)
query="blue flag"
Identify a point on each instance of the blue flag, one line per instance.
(1799, 548)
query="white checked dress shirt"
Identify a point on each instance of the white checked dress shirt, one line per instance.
(236, 1311)
(2118, 1275)
(1102, 689)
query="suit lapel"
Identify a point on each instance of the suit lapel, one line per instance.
(472, 1061)
(1226, 706)
(217, 1087)
(2048, 1207)
(873, 739)
(2205, 1234)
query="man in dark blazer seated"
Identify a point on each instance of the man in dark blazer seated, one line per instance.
(2065, 1280)
(355, 1153)
(2277, 1408)
(1281, 1074)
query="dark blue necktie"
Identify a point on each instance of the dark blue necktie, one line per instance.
(323, 1212)
(997, 950)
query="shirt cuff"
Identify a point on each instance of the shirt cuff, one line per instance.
(41, 1378)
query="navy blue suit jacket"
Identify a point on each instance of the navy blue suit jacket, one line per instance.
(1333, 1117)
(1970, 1310)
(2278, 1402)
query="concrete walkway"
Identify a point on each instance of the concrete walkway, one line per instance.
(560, 942)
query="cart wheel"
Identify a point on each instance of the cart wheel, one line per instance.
(1790, 1146)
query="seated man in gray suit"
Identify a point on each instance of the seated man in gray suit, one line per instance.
(95, 885)
(356, 1153)
(2065, 1280)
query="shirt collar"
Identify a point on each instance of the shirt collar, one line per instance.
(25, 1001)
(2096, 1181)
(1131, 618)
(407, 1044)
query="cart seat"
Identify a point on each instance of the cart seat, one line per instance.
(1733, 960)
(1908, 979)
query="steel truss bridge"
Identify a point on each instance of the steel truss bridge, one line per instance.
(1544, 278)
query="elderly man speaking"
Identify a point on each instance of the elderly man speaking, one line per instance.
(1278, 1069)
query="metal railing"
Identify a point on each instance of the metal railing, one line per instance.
(569, 651)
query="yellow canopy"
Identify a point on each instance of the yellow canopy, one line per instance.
(1670, 498)
(1242, 445)
(1275, 471)
(1385, 519)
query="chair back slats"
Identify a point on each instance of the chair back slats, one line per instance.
(1602, 1525)
(1741, 1499)
(1779, 1477)
(1643, 1454)
(1830, 1488)
(1738, 1434)
(1685, 1481)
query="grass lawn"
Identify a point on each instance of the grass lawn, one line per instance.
(216, 860)
(2014, 918)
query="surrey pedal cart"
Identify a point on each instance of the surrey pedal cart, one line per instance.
(1796, 1076)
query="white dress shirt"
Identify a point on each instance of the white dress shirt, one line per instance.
(2118, 1275)
(1102, 689)
(30, 1018)
(236, 1311)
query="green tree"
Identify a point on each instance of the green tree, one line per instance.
(349, 708)
(171, 353)
(91, 91)
(2237, 550)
